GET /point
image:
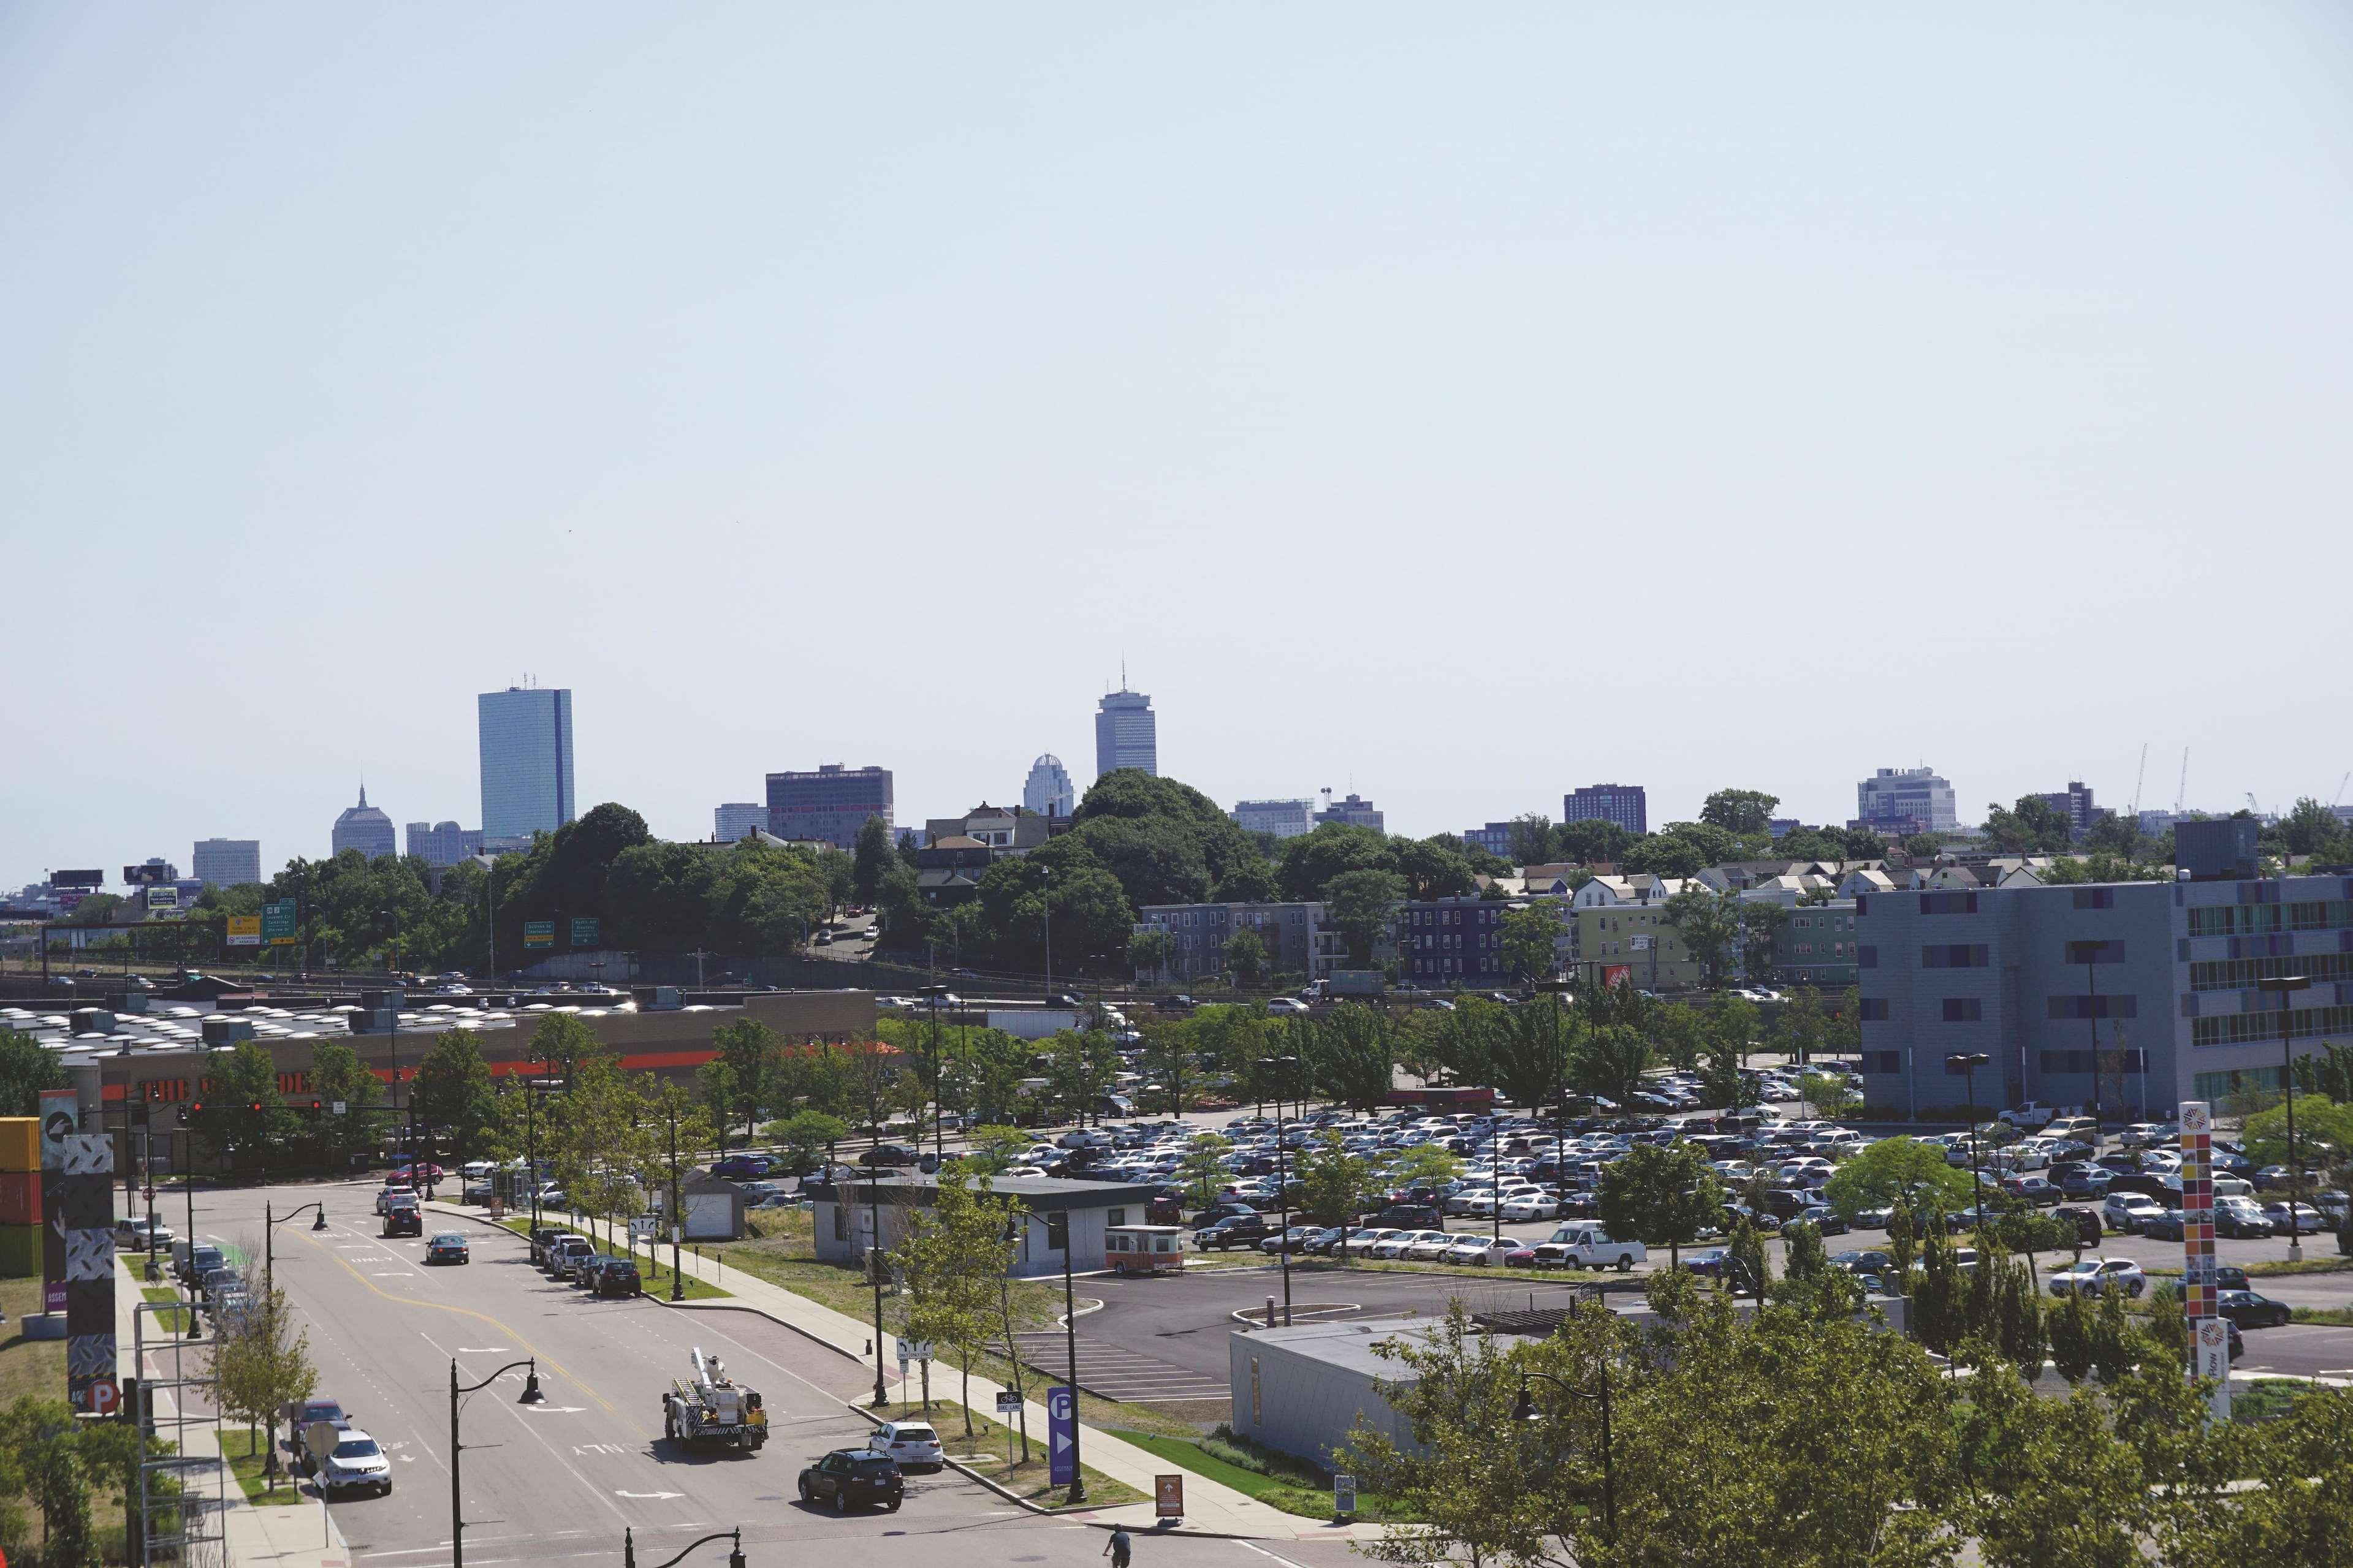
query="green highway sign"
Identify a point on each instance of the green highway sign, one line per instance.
(539, 933)
(583, 930)
(277, 923)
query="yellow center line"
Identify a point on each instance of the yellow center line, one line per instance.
(537, 1353)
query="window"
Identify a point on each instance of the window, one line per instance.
(2096, 898)
(1964, 1010)
(2237, 1029)
(1874, 1009)
(2252, 919)
(2095, 1007)
(1883, 1061)
(1118, 1217)
(2242, 973)
(2130, 1061)
(1949, 903)
(1954, 955)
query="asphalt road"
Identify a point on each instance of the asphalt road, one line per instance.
(559, 1481)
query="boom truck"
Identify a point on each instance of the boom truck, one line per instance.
(713, 1408)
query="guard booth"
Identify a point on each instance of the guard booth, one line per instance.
(1144, 1248)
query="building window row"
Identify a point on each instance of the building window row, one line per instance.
(2240, 1028)
(2253, 919)
(1954, 955)
(2220, 1085)
(2242, 973)
(2060, 1007)
(1883, 1061)
(1949, 903)
(1964, 1010)
(2134, 1060)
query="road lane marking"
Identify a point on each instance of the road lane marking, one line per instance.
(651, 1497)
(483, 1349)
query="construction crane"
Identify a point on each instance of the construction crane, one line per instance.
(2181, 790)
(2340, 788)
(2143, 774)
(2252, 805)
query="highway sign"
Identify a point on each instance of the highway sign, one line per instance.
(1061, 1436)
(539, 933)
(245, 930)
(583, 930)
(277, 923)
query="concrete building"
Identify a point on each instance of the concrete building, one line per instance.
(1283, 818)
(1356, 811)
(1495, 838)
(1905, 800)
(1629, 944)
(1302, 1390)
(850, 1216)
(1627, 805)
(736, 819)
(365, 828)
(441, 844)
(1292, 935)
(831, 804)
(1048, 791)
(226, 862)
(2075, 804)
(2159, 978)
(1449, 945)
(526, 762)
(1127, 733)
(1814, 945)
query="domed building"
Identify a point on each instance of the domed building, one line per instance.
(365, 828)
(1049, 791)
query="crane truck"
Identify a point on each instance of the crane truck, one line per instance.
(713, 1408)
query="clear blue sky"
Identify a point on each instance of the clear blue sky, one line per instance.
(1465, 405)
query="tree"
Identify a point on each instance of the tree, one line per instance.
(1420, 1165)
(1901, 1173)
(1148, 950)
(954, 1251)
(1335, 1185)
(1678, 1034)
(2031, 827)
(1593, 841)
(1081, 1066)
(27, 1067)
(1529, 1053)
(1347, 1056)
(1759, 923)
(1360, 905)
(1532, 839)
(737, 1080)
(1748, 1268)
(1203, 1170)
(1830, 1097)
(242, 1118)
(1245, 956)
(1611, 1061)
(566, 1046)
(870, 859)
(1664, 855)
(1153, 832)
(1741, 811)
(1431, 870)
(453, 1091)
(1733, 1022)
(259, 1361)
(807, 1132)
(1661, 1195)
(1530, 941)
(1310, 863)
(337, 1077)
(1709, 923)
(2324, 1134)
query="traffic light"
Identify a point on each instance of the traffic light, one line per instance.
(255, 1107)
(315, 1107)
(184, 1116)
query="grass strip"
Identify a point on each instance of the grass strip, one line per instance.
(245, 1450)
(1025, 1479)
(174, 1321)
(1292, 1486)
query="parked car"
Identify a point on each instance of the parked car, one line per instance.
(853, 1477)
(2098, 1277)
(618, 1276)
(2303, 1218)
(2130, 1211)
(887, 1154)
(736, 1167)
(544, 1238)
(908, 1443)
(447, 1246)
(2089, 1227)
(1479, 1251)
(355, 1464)
(2241, 1218)
(2167, 1225)
(1234, 1230)
(567, 1253)
(137, 1234)
(2248, 1311)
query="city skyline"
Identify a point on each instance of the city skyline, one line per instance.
(1680, 299)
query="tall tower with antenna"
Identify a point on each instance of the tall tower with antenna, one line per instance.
(1127, 732)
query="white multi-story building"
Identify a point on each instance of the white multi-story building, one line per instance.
(1283, 818)
(1907, 799)
(1048, 792)
(441, 844)
(526, 758)
(227, 862)
(1127, 734)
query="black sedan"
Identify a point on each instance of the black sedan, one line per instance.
(853, 1477)
(2248, 1311)
(1236, 1230)
(1821, 1219)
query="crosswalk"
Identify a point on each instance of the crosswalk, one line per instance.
(1114, 1373)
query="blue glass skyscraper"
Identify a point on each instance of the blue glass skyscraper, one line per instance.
(527, 742)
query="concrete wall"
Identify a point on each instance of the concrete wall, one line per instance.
(1303, 1390)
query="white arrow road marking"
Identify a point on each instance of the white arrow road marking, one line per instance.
(556, 1409)
(650, 1495)
(484, 1349)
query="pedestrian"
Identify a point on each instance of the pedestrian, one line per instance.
(1117, 1549)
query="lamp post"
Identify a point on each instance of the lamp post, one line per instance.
(874, 1258)
(531, 1396)
(1283, 1066)
(1058, 1233)
(1046, 916)
(2285, 987)
(271, 1221)
(734, 1556)
(1524, 1409)
(931, 994)
(1968, 1062)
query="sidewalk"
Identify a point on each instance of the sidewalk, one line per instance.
(1210, 1507)
(281, 1536)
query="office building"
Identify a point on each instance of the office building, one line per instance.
(2075, 804)
(735, 820)
(1451, 944)
(1495, 838)
(227, 862)
(1627, 805)
(1283, 818)
(1293, 936)
(1354, 811)
(1905, 800)
(441, 844)
(831, 804)
(1127, 734)
(365, 828)
(2154, 985)
(526, 752)
(1048, 791)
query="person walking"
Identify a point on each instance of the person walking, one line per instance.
(1116, 1549)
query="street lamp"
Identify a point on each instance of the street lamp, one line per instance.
(531, 1396)
(1524, 1409)
(1046, 915)
(734, 1556)
(1968, 1062)
(270, 1223)
(1058, 1233)
(931, 994)
(1283, 1066)
(2285, 987)
(874, 1258)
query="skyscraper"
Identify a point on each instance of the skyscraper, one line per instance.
(365, 828)
(443, 842)
(1127, 733)
(1627, 805)
(227, 862)
(1049, 793)
(831, 804)
(735, 819)
(526, 744)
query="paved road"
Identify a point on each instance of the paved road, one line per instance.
(558, 1481)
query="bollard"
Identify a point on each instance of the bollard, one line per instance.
(1269, 1311)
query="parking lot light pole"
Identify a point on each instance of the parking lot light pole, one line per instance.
(874, 1262)
(1059, 1226)
(1968, 1062)
(734, 1557)
(1282, 1066)
(2285, 987)
(1525, 1410)
(931, 994)
(531, 1396)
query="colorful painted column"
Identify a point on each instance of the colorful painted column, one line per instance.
(2209, 1335)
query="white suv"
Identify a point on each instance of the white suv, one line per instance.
(357, 1464)
(2130, 1211)
(2098, 1276)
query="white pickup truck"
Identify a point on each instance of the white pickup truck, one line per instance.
(2034, 1113)
(1588, 1245)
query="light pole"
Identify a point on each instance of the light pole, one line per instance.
(1046, 916)
(874, 1258)
(931, 994)
(531, 1396)
(1058, 1225)
(270, 1223)
(2285, 987)
(734, 1556)
(1283, 1066)
(1968, 1062)
(1524, 1409)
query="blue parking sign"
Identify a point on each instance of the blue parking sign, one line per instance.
(1061, 1436)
